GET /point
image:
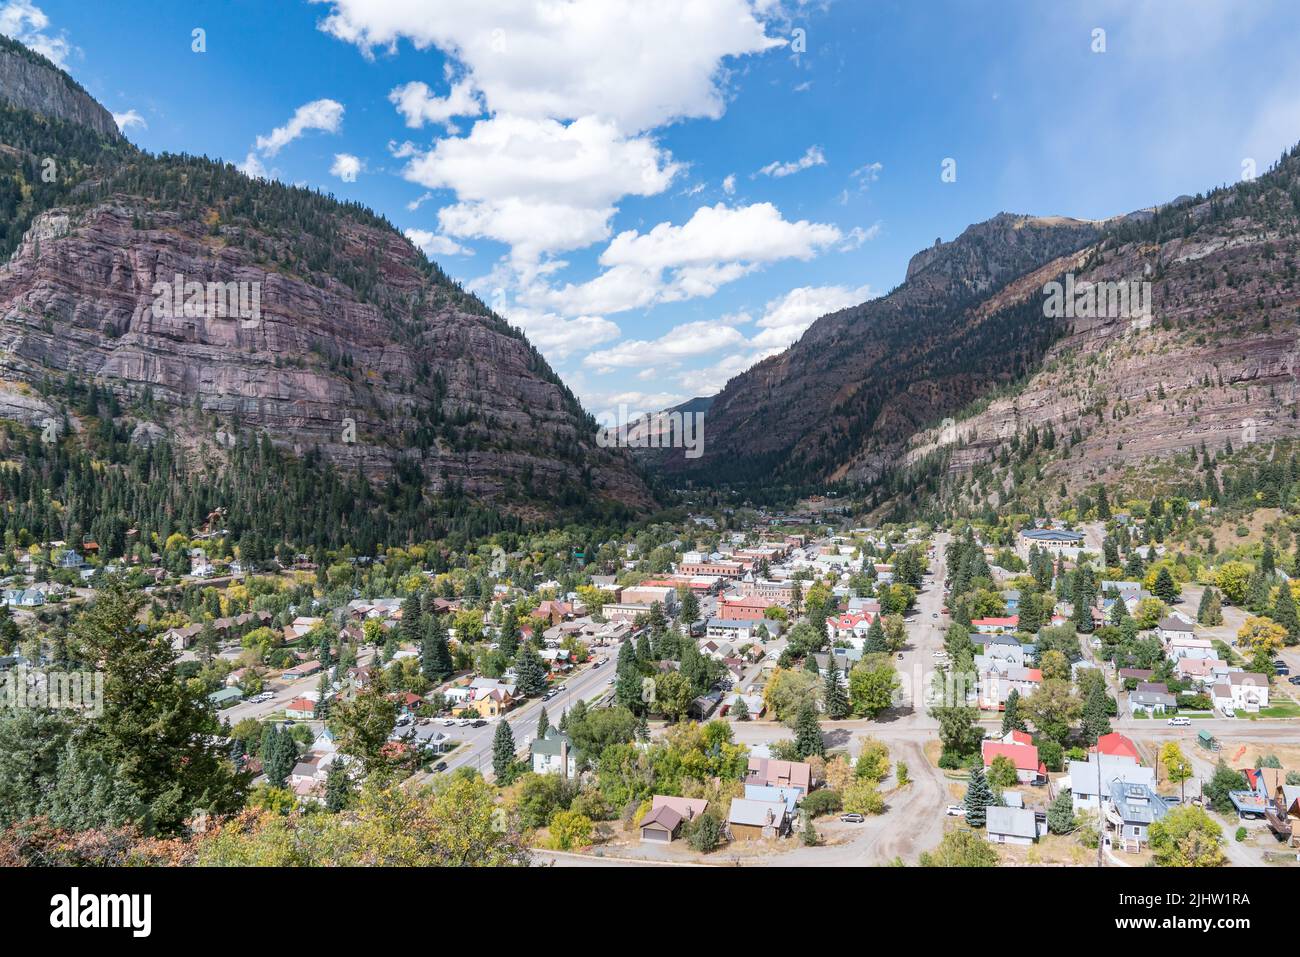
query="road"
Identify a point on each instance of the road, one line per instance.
(475, 749)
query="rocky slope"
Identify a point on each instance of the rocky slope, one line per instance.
(359, 349)
(1216, 366)
(30, 82)
(840, 402)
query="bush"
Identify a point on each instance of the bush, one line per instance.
(569, 829)
(704, 833)
(1241, 834)
(863, 797)
(822, 802)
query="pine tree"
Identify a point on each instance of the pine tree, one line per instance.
(1284, 613)
(1165, 588)
(530, 671)
(1011, 719)
(1096, 719)
(503, 753)
(979, 797)
(338, 787)
(835, 695)
(543, 724)
(1210, 611)
(808, 733)
(875, 643)
(627, 683)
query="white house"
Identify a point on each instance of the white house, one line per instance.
(553, 754)
(1011, 825)
(1242, 691)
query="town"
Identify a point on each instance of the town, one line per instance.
(739, 685)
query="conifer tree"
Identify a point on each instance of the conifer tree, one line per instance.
(543, 724)
(503, 753)
(979, 797)
(834, 694)
(1210, 611)
(1011, 718)
(808, 733)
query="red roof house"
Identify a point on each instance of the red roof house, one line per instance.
(1024, 756)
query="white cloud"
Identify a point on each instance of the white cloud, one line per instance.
(325, 115)
(787, 317)
(716, 246)
(129, 119)
(867, 174)
(431, 244)
(558, 337)
(857, 236)
(540, 186)
(346, 167)
(681, 342)
(253, 167)
(25, 22)
(637, 64)
(729, 185)
(813, 156)
(416, 102)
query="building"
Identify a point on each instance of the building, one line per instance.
(1132, 809)
(1116, 744)
(666, 816)
(792, 774)
(1087, 779)
(226, 697)
(1011, 825)
(753, 820)
(1029, 769)
(708, 567)
(648, 595)
(300, 709)
(996, 626)
(732, 630)
(554, 754)
(1151, 697)
(1242, 691)
(624, 611)
(1054, 541)
(743, 609)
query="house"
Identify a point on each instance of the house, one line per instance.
(182, 638)
(996, 626)
(767, 793)
(733, 630)
(665, 597)
(1248, 691)
(1011, 825)
(554, 754)
(304, 670)
(1151, 697)
(300, 709)
(1116, 744)
(1029, 769)
(1003, 647)
(1088, 779)
(851, 627)
(424, 737)
(624, 611)
(666, 816)
(226, 697)
(998, 679)
(1283, 814)
(1132, 808)
(1011, 598)
(792, 774)
(1135, 674)
(752, 820)
(1173, 628)
(1202, 671)
(845, 659)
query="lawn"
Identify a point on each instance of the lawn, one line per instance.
(1287, 709)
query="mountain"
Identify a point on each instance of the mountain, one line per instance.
(1176, 402)
(842, 400)
(210, 311)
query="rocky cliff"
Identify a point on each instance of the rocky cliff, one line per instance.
(215, 307)
(29, 81)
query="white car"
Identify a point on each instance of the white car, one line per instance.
(449, 723)
(955, 810)
(263, 696)
(1228, 711)
(940, 654)
(1179, 722)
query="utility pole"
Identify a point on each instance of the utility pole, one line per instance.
(1101, 814)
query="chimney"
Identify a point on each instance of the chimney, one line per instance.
(564, 757)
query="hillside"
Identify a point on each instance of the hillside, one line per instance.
(351, 351)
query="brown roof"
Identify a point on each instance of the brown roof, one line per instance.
(780, 773)
(664, 816)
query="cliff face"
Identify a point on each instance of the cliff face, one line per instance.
(1215, 364)
(31, 82)
(842, 401)
(348, 343)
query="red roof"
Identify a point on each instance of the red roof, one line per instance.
(301, 704)
(1021, 737)
(1024, 756)
(1116, 743)
(849, 620)
(997, 622)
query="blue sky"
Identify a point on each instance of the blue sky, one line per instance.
(662, 193)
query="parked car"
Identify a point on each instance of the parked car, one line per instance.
(1294, 679)
(480, 723)
(1229, 711)
(440, 766)
(852, 818)
(449, 723)
(956, 810)
(1179, 722)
